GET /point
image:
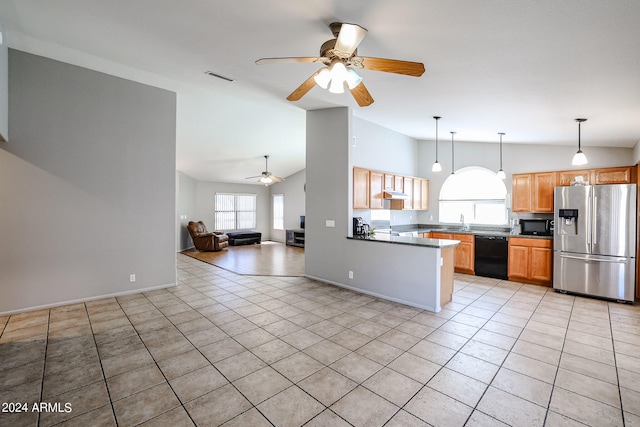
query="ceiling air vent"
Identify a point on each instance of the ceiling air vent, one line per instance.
(220, 76)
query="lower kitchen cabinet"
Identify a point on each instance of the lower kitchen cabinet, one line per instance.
(464, 252)
(531, 260)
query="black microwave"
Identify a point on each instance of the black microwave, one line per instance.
(536, 227)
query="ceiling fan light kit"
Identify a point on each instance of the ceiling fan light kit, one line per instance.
(579, 158)
(266, 178)
(339, 55)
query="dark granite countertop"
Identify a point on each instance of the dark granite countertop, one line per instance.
(457, 229)
(414, 241)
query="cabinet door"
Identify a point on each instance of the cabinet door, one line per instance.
(566, 178)
(424, 197)
(408, 190)
(437, 235)
(417, 194)
(613, 176)
(398, 183)
(521, 192)
(376, 184)
(541, 267)
(518, 262)
(389, 181)
(463, 257)
(543, 185)
(360, 188)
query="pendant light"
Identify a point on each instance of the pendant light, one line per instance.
(500, 173)
(436, 165)
(579, 158)
(452, 154)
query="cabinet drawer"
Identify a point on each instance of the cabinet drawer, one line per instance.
(531, 243)
(464, 237)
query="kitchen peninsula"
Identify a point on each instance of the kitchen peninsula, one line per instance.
(430, 290)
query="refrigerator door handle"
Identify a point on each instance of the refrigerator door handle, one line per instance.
(594, 216)
(582, 258)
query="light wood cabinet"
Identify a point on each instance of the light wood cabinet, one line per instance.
(389, 181)
(566, 178)
(532, 192)
(531, 260)
(617, 175)
(424, 197)
(543, 185)
(376, 187)
(369, 187)
(464, 254)
(398, 182)
(622, 175)
(417, 194)
(408, 190)
(360, 188)
(521, 192)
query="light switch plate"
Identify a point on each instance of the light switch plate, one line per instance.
(330, 223)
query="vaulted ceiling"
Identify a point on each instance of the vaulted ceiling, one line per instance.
(526, 68)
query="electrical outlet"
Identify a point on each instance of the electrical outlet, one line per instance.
(350, 274)
(132, 278)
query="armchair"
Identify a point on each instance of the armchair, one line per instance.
(205, 241)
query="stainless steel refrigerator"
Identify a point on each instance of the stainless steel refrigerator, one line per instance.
(595, 240)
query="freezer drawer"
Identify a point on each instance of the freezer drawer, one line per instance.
(608, 277)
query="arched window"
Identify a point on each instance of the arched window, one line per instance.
(475, 192)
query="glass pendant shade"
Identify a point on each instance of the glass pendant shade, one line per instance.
(323, 78)
(353, 79)
(500, 174)
(436, 167)
(579, 158)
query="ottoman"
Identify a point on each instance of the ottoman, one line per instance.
(244, 238)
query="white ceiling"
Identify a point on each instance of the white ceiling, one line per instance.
(524, 67)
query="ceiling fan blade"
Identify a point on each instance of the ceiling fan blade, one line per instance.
(349, 38)
(289, 60)
(276, 178)
(362, 95)
(253, 177)
(303, 88)
(393, 66)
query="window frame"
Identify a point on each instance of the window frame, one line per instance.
(279, 216)
(225, 224)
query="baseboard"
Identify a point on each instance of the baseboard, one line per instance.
(373, 294)
(76, 301)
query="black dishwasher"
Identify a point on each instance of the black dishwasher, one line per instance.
(491, 256)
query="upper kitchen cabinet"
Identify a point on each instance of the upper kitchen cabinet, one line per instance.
(408, 190)
(369, 187)
(521, 192)
(623, 175)
(360, 188)
(389, 181)
(376, 188)
(424, 198)
(533, 192)
(616, 175)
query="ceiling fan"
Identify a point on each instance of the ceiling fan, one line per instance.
(266, 177)
(340, 58)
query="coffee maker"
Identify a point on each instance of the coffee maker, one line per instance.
(360, 228)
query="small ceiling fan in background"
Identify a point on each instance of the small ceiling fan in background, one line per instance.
(340, 58)
(266, 177)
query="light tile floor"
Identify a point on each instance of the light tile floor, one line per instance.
(221, 348)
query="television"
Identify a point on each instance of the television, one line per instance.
(302, 221)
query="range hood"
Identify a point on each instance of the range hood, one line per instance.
(394, 195)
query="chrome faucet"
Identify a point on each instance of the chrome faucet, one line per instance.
(462, 221)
